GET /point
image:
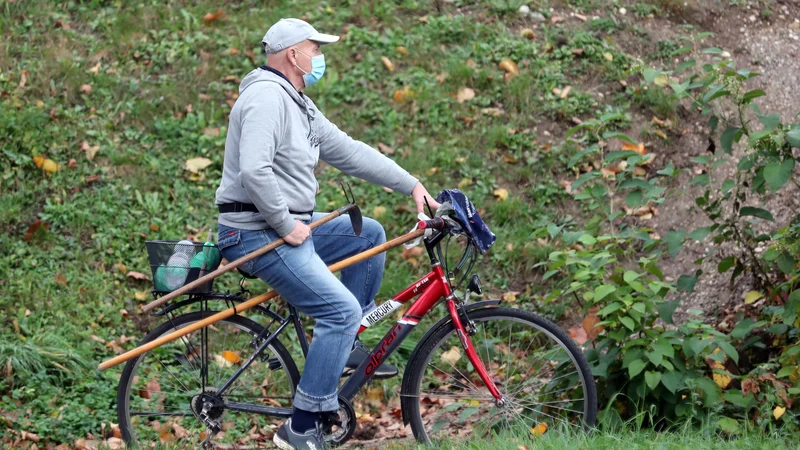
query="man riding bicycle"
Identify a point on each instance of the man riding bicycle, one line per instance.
(276, 137)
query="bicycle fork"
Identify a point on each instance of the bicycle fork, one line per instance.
(466, 342)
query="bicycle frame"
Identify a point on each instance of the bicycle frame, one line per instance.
(431, 288)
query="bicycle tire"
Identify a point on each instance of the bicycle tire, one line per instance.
(418, 405)
(129, 387)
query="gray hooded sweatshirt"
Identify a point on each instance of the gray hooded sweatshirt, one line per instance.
(276, 136)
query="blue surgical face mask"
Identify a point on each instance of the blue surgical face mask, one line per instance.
(317, 69)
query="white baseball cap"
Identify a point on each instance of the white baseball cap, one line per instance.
(288, 32)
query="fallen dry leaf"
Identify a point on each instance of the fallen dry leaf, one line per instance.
(138, 276)
(565, 92)
(578, 334)
(211, 131)
(195, 165)
(387, 63)
(777, 413)
(34, 227)
(231, 357)
(501, 194)
(509, 66)
(50, 166)
(72, 164)
(510, 296)
(61, 279)
(527, 33)
(451, 356)
(89, 150)
(378, 211)
(86, 89)
(38, 161)
(23, 78)
(402, 95)
(465, 94)
(213, 17)
(638, 148)
(140, 295)
(96, 69)
(60, 24)
(589, 323)
(385, 149)
(402, 50)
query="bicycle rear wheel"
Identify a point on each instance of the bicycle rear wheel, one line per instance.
(160, 393)
(544, 380)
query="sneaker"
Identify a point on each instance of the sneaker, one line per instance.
(359, 354)
(288, 439)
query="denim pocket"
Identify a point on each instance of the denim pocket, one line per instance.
(228, 237)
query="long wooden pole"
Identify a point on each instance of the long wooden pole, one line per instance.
(251, 303)
(234, 264)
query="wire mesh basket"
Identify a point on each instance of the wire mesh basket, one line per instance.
(178, 263)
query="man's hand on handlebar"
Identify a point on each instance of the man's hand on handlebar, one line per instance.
(418, 194)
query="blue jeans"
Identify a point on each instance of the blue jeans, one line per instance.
(301, 277)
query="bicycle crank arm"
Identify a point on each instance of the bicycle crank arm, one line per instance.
(259, 409)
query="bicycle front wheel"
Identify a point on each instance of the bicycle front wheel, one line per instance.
(544, 380)
(161, 393)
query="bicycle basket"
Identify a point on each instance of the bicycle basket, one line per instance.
(177, 263)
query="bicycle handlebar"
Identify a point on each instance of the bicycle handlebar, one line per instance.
(436, 223)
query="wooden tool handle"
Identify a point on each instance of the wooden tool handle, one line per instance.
(234, 264)
(252, 302)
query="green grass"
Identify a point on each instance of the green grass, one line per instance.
(623, 440)
(160, 83)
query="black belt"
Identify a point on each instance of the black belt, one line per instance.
(236, 207)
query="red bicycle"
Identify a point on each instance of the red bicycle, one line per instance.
(480, 369)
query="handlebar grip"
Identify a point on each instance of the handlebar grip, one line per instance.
(436, 223)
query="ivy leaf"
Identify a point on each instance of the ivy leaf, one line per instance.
(770, 121)
(675, 241)
(602, 291)
(634, 199)
(756, 212)
(728, 425)
(729, 136)
(666, 310)
(686, 283)
(726, 264)
(752, 95)
(578, 156)
(671, 380)
(700, 233)
(621, 136)
(652, 378)
(778, 173)
(664, 347)
(636, 367)
(735, 397)
(628, 322)
(650, 74)
(711, 391)
(793, 137)
(729, 350)
(786, 263)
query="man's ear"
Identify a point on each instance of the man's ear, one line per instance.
(291, 56)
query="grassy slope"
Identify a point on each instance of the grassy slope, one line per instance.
(162, 81)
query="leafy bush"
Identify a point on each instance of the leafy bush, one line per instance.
(643, 361)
